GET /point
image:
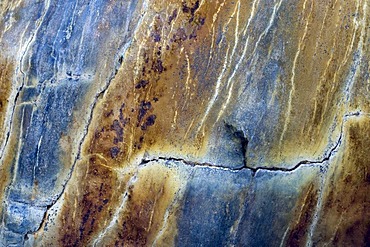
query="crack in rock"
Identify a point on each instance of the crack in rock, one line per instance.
(43, 222)
(305, 162)
(356, 114)
(21, 86)
(252, 169)
(78, 155)
(189, 163)
(242, 137)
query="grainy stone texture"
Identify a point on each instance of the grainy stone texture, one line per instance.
(185, 123)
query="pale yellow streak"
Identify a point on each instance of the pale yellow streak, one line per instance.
(273, 15)
(292, 78)
(174, 117)
(189, 128)
(232, 84)
(200, 5)
(212, 45)
(138, 62)
(315, 50)
(153, 208)
(219, 79)
(187, 82)
(117, 212)
(214, 18)
(344, 61)
(174, 121)
(216, 92)
(298, 218)
(75, 208)
(230, 88)
(255, 3)
(236, 33)
(101, 156)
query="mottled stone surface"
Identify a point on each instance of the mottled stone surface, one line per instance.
(185, 123)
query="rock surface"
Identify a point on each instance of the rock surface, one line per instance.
(185, 123)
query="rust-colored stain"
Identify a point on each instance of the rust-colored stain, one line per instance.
(188, 69)
(6, 76)
(317, 66)
(157, 99)
(299, 229)
(87, 204)
(345, 218)
(124, 210)
(139, 224)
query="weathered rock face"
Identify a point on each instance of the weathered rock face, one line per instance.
(185, 123)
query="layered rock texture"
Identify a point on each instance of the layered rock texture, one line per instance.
(185, 123)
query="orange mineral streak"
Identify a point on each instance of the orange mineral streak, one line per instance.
(320, 56)
(154, 104)
(169, 93)
(303, 217)
(88, 203)
(6, 72)
(158, 98)
(147, 210)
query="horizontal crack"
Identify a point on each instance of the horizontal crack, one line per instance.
(225, 168)
(356, 114)
(252, 169)
(305, 162)
(189, 163)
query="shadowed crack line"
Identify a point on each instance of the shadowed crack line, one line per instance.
(252, 169)
(21, 86)
(305, 162)
(43, 221)
(189, 163)
(78, 155)
(97, 96)
(11, 121)
(120, 61)
(356, 114)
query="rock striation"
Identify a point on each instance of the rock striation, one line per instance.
(185, 123)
